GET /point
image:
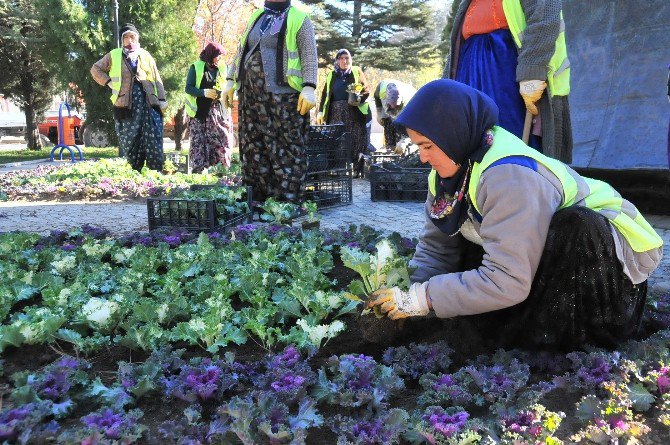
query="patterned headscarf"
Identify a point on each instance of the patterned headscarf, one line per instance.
(458, 120)
(339, 70)
(210, 52)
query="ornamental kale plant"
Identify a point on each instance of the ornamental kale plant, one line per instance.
(501, 382)
(382, 269)
(24, 422)
(609, 420)
(279, 212)
(191, 430)
(590, 370)
(203, 379)
(287, 375)
(356, 381)
(435, 425)
(106, 426)
(383, 428)
(535, 425)
(419, 359)
(260, 418)
(448, 390)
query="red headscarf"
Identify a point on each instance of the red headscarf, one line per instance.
(212, 50)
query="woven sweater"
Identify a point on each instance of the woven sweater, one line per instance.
(268, 45)
(539, 42)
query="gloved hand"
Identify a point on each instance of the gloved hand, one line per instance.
(531, 91)
(399, 148)
(319, 119)
(397, 304)
(307, 100)
(211, 93)
(228, 94)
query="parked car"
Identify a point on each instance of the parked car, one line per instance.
(12, 123)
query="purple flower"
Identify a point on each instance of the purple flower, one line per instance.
(663, 380)
(596, 371)
(203, 382)
(445, 380)
(288, 358)
(444, 423)
(369, 432)
(522, 423)
(287, 383)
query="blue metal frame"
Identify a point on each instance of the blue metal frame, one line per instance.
(61, 138)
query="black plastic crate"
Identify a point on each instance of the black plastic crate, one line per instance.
(393, 183)
(328, 148)
(195, 214)
(329, 191)
(180, 160)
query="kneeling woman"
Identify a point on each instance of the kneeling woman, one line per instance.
(563, 259)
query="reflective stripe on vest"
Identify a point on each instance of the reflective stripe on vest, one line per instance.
(115, 71)
(294, 21)
(365, 108)
(577, 190)
(383, 86)
(558, 73)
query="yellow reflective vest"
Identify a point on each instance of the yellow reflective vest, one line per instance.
(356, 71)
(191, 101)
(591, 193)
(115, 71)
(294, 21)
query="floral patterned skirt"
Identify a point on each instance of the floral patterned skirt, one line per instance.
(211, 140)
(272, 138)
(141, 135)
(342, 113)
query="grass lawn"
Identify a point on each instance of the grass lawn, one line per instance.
(9, 156)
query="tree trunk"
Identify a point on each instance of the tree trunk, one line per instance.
(357, 25)
(32, 135)
(179, 128)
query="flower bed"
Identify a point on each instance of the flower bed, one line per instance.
(249, 339)
(102, 179)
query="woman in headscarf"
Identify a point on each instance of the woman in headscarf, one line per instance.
(515, 52)
(335, 108)
(138, 98)
(560, 260)
(211, 126)
(275, 70)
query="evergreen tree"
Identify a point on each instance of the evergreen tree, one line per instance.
(25, 79)
(385, 34)
(82, 32)
(445, 45)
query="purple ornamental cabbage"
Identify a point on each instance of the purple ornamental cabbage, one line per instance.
(596, 371)
(108, 422)
(444, 423)
(524, 423)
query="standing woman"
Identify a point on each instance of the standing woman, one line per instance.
(275, 71)
(138, 98)
(335, 108)
(514, 51)
(211, 126)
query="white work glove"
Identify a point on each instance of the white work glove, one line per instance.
(397, 304)
(399, 148)
(531, 91)
(227, 95)
(307, 100)
(319, 119)
(211, 93)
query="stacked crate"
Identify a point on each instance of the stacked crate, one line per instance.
(399, 179)
(328, 181)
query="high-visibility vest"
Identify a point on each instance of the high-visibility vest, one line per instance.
(356, 71)
(558, 72)
(591, 193)
(191, 101)
(115, 71)
(294, 21)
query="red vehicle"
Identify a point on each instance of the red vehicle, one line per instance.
(49, 126)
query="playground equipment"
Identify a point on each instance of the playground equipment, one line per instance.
(66, 135)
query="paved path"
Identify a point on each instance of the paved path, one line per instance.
(405, 218)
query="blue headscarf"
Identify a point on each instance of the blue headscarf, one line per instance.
(456, 118)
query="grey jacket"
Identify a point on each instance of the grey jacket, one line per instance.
(517, 205)
(539, 40)
(268, 46)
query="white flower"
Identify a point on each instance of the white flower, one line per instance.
(66, 263)
(317, 334)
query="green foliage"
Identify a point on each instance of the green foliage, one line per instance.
(386, 34)
(25, 78)
(444, 47)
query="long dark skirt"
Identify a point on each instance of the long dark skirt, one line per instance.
(579, 296)
(342, 113)
(211, 140)
(141, 134)
(272, 138)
